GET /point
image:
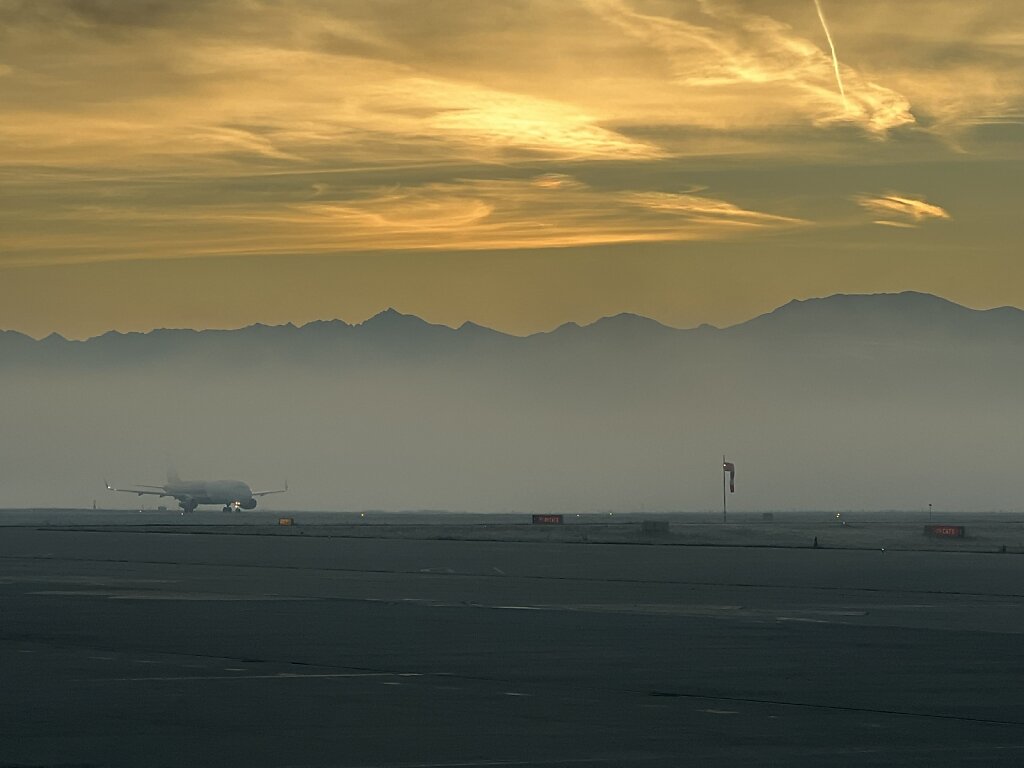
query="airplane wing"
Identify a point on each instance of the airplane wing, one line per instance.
(142, 490)
(268, 493)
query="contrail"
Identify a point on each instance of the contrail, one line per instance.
(835, 61)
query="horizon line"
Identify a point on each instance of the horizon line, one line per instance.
(571, 323)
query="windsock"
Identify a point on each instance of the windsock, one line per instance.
(728, 466)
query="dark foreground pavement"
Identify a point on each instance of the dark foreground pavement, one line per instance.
(150, 649)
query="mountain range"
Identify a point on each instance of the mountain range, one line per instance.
(847, 402)
(907, 316)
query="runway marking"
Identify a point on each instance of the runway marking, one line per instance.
(834, 708)
(277, 676)
(498, 571)
(179, 596)
(92, 581)
(719, 711)
(616, 760)
(514, 693)
(802, 619)
(529, 577)
(522, 607)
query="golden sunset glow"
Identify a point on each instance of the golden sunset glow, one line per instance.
(194, 151)
(901, 211)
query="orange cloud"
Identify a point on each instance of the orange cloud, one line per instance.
(547, 211)
(730, 49)
(897, 210)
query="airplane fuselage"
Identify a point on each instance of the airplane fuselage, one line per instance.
(226, 493)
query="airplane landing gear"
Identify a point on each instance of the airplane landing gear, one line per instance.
(226, 509)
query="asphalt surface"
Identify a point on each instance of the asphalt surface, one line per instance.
(143, 648)
(1001, 532)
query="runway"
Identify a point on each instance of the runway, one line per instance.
(122, 648)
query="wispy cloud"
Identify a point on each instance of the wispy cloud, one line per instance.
(375, 125)
(717, 215)
(547, 211)
(726, 49)
(495, 120)
(898, 210)
(259, 81)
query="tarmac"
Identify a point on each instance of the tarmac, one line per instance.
(251, 644)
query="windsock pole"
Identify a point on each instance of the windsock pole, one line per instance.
(725, 516)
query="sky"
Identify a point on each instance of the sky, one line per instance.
(517, 163)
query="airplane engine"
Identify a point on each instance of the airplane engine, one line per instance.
(248, 504)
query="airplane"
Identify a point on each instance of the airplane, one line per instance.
(233, 494)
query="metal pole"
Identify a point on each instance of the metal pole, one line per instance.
(725, 517)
